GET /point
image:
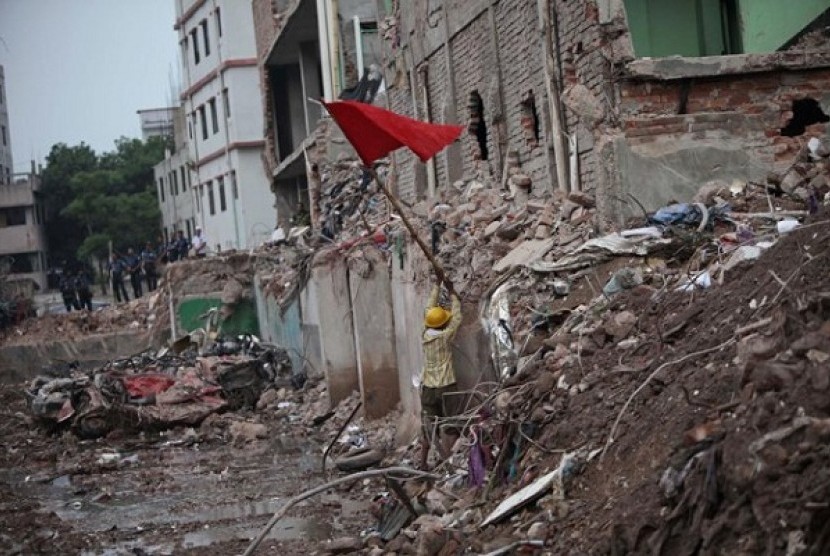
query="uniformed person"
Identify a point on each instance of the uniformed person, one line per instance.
(116, 268)
(133, 264)
(148, 262)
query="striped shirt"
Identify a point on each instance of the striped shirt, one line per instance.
(438, 369)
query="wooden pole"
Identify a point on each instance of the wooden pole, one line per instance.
(439, 270)
(553, 93)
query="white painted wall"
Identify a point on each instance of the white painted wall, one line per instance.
(176, 210)
(249, 218)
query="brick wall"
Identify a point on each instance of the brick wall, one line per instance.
(581, 43)
(473, 66)
(521, 62)
(400, 101)
(440, 104)
(754, 107)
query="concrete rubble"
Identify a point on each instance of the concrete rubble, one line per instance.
(624, 409)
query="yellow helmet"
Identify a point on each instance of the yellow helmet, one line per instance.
(437, 317)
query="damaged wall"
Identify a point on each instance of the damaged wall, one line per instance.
(662, 127)
(679, 134)
(373, 322)
(452, 52)
(338, 361)
(412, 276)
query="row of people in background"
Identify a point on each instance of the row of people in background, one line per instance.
(140, 267)
(76, 290)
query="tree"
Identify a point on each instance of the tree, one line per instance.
(94, 200)
(63, 233)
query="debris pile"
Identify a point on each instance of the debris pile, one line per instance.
(350, 200)
(699, 419)
(148, 313)
(808, 178)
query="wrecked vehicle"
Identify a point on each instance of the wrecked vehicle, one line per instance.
(156, 392)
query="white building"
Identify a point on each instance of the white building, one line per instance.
(174, 183)
(22, 230)
(157, 122)
(232, 196)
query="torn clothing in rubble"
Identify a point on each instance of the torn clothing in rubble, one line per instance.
(437, 344)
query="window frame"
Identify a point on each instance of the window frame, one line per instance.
(205, 36)
(203, 117)
(214, 115)
(211, 200)
(194, 38)
(223, 202)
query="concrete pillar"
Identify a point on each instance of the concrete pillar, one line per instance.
(408, 302)
(329, 283)
(374, 332)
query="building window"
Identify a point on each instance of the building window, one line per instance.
(23, 262)
(184, 46)
(218, 22)
(199, 194)
(161, 189)
(170, 183)
(211, 202)
(189, 231)
(203, 117)
(189, 179)
(234, 185)
(183, 182)
(214, 116)
(194, 38)
(5, 140)
(1, 90)
(175, 182)
(227, 103)
(190, 126)
(223, 204)
(1, 174)
(12, 216)
(205, 35)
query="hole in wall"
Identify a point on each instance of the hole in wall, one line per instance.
(530, 119)
(477, 126)
(806, 111)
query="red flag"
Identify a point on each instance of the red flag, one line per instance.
(375, 132)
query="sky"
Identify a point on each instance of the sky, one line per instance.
(78, 70)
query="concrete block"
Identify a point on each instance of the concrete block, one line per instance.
(526, 252)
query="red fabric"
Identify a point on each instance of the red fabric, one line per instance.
(141, 386)
(375, 132)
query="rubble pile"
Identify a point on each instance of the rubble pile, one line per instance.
(350, 200)
(653, 419)
(284, 266)
(148, 313)
(666, 330)
(808, 178)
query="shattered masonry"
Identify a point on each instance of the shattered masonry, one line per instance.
(644, 355)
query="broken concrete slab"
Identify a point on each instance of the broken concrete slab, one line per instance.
(526, 253)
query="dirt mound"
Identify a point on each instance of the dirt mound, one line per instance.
(710, 410)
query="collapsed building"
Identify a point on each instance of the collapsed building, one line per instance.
(636, 376)
(579, 116)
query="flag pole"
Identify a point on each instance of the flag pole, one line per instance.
(439, 270)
